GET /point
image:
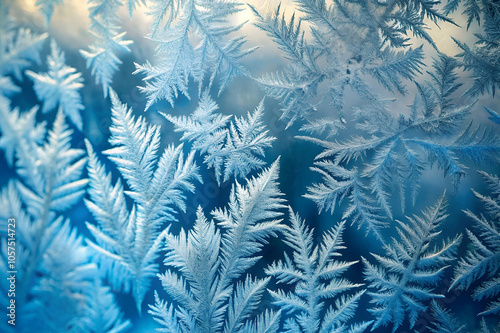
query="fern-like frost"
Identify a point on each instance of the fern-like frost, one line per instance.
(483, 262)
(59, 86)
(397, 150)
(236, 149)
(205, 264)
(402, 281)
(102, 56)
(316, 277)
(215, 54)
(157, 186)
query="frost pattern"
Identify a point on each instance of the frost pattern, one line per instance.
(338, 54)
(445, 321)
(397, 149)
(316, 277)
(236, 149)
(102, 56)
(175, 25)
(128, 242)
(482, 59)
(205, 264)
(373, 36)
(19, 49)
(483, 262)
(403, 280)
(53, 291)
(59, 86)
